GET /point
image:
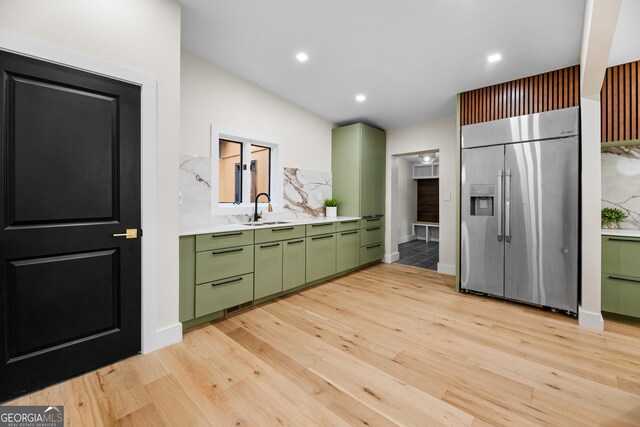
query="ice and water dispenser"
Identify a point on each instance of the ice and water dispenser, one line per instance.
(482, 199)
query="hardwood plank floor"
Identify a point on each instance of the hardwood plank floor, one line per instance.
(389, 345)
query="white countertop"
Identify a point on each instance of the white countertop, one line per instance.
(221, 228)
(626, 233)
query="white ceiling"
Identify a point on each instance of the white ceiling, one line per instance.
(409, 57)
(626, 40)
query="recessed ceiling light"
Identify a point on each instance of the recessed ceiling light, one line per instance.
(494, 58)
(361, 98)
(302, 57)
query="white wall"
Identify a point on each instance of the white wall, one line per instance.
(211, 95)
(407, 200)
(439, 134)
(143, 35)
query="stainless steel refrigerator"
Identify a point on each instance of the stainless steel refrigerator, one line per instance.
(520, 208)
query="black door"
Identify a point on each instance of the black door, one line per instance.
(69, 180)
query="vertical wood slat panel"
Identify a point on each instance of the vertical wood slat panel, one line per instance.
(619, 97)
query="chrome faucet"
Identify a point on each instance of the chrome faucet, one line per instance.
(255, 215)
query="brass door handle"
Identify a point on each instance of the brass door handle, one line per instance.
(132, 233)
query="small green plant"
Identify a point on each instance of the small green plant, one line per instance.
(613, 216)
(331, 203)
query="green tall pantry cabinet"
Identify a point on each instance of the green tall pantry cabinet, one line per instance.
(358, 155)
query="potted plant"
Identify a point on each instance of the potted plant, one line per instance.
(612, 217)
(331, 208)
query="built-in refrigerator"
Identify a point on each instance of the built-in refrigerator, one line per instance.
(519, 229)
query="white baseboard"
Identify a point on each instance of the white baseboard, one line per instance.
(405, 239)
(389, 258)
(447, 269)
(164, 337)
(590, 320)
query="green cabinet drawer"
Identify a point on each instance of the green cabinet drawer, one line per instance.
(621, 255)
(222, 263)
(621, 294)
(221, 294)
(320, 257)
(293, 264)
(352, 224)
(187, 254)
(371, 235)
(279, 233)
(268, 269)
(321, 228)
(371, 221)
(371, 253)
(205, 242)
(347, 250)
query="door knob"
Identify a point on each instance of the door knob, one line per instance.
(131, 233)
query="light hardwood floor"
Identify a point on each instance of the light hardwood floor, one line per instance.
(389, 345)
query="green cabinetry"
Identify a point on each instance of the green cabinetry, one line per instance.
(347, 250)
(268, 269)
(621, 275)
(293, 264)
(358, 169)
(187, 266)
(320, 257)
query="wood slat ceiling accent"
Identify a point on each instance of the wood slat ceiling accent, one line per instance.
(619, 103)
(535, 94)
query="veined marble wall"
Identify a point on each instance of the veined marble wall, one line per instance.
(621, 182)
(304, 194)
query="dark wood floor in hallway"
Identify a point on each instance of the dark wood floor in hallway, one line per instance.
(388, 345)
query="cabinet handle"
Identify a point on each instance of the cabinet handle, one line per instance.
(322, 237)
(321, 225)
(374, 246)
(349, 232)
(282, 229)
(367, 216)
(228, 251)
(349, 222)
(623, 239)
(379, 216)
(626, 279)
(239, 233)
(273, 245)
(294, 242)
(373, 219)
(237, 279)
(374, 228)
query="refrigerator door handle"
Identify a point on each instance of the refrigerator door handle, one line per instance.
(507, 206)
(499, 205)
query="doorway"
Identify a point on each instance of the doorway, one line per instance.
(70, 264)
(416, 214)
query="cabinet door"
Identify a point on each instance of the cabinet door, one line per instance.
(268, 270)
(293, 264)
(321, 257)
(345, 168)
(348, 250)
(372, 172)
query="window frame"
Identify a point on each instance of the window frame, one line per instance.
(276, 173)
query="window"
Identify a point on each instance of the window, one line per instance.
(245, 165)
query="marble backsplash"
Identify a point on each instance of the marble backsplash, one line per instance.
(304, 194)
(621, 183)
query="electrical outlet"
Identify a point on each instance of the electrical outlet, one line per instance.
(447, 196)
(179, 197)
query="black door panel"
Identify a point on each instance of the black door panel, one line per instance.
(69, 179)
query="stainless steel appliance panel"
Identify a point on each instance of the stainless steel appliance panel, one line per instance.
(532, 127)
(482, 253)
(541, 223)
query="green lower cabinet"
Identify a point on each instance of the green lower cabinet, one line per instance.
(320, 257)
(293, 264)
(187, 264)
(225, 293)
(621, 294)
(371, 253)
(268, 269)
(371, 235)
(222, 263)
(347, 250)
